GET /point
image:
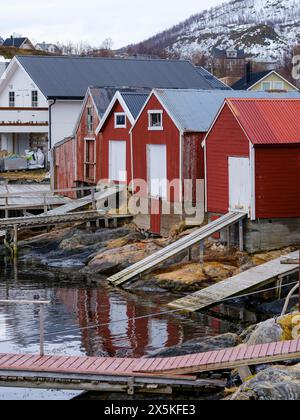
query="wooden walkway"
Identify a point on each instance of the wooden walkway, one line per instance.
(78, 372)
(235, 286)
(176, 248)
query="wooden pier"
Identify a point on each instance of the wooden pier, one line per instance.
(159, 375)
(184, 244)
(241, 283)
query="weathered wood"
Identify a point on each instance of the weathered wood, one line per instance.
(236, 285)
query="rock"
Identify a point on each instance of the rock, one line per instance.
(187, 277)
(272, 384)
(218, 271)
(273, 330)
(265, 257)
(132, 238)
(200, 345)
(114, 260)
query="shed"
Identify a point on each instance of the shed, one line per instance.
(252, 154)
(113, 136)
(166, 148)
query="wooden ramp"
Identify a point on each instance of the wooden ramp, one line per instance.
(84, 201)
(125, 374)
(234, 286)
(176, 248)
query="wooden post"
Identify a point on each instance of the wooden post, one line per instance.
(299, 281)
(245, 373)
(15, 246)
(241, 235)
(202, 247)
(42, 332)
(94, 201)
(45, 203)
(228, 237)
(190, 254)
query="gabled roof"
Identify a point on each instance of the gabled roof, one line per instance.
(14, 42)
(268, 121)
(195, 110)
(69, 77)
(214, 82)
(255, 78)
(132, 103)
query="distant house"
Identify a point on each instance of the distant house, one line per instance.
(48, 48)
(21, 43)
(228, 63)
(267, 81)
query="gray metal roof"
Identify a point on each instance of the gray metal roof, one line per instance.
(69, 77)
(195, 110)
(135, 101)
(214, 82)
(14, 42)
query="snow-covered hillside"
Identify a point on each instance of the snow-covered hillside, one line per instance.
(265, 28)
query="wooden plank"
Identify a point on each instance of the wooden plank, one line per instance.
(176, 248)
(235, 286)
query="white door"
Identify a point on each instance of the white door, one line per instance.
(117, 161)
(239, 184)
(157, 170)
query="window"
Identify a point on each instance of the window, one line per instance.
(90, 119)
(278, 85)
(155, 120)
(266, 86)
(11, 99)
(120, 120)
(34, 99)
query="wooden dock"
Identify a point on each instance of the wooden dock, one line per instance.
(182, 245)
(241, 283)
(159, 375)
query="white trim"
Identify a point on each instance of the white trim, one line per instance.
(154, 93)
(131, 154)
(203, 144)
(268, 75)
(117, 97)
(181, 166)
(119, 114)
(206, 183)
(253, 181)
(155, 112)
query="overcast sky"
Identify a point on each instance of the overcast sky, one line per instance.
(95, 20)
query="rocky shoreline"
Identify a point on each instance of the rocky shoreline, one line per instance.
(73, 252)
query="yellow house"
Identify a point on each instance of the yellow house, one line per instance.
(266, 81)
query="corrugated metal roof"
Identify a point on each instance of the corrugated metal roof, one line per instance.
(266, 122)
(135, 102)
(14, 42)
(195, 110)
(102, 98)
(214, 82)
(69, 77)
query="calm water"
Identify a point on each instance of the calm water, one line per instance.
(76, 307)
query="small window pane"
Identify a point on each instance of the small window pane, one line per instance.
(11, 99)
(156, 120)
(120, 120)
(278, 86)
(34, 99)
(90, 119)
(266, 86)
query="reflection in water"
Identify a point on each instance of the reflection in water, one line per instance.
(120, 320)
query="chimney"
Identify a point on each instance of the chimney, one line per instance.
(248, 72)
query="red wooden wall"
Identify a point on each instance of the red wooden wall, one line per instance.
(141, 137)
(277, 182)
(193, 159)
(226, 139)
(64, 167)
(107, 134)
(81, 134)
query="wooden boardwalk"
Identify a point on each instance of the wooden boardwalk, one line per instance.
(235, 286)
(176, 248)
(79, 372)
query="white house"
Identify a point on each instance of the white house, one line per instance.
(49, 48)
(41, 96)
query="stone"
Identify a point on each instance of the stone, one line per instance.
(200, 345)
(272, 384)
(217, 271)
(113, 260)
